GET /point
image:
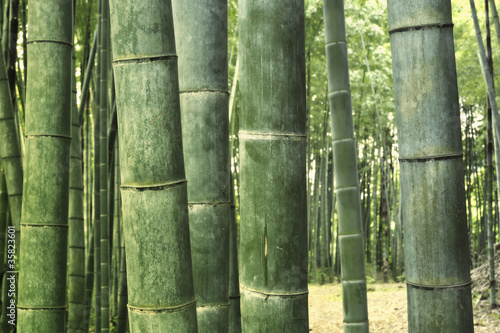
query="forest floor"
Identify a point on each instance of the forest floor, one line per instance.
(387, 306)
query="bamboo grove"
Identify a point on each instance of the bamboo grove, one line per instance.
(185, 166)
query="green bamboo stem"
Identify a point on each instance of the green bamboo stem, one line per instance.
(273, 225)
(488, 77)
(351, 239)
(97, 182)
(10, 152)
(153, 185)
(234, 280)
(89, 279)
(44, 220)
(103, 151)
(122, 299)
(430, 155)
(494, 14)
(88, 73)
(76, 239)
(203, 84)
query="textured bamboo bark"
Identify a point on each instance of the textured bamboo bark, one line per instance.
(432, 192)
(44, 221)
(273, 229)
(153, 185)
(201, 29)
(346, 172)
(103, 152)
(76, 238)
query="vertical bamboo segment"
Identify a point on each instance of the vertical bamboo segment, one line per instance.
(97, 182)
(153, 185)
(44, 220)
(103, 151)
(76, 238)
(201, 29)
(11, 154)
(432, 191)
(273, 229)
(234, 279)
(351, 239)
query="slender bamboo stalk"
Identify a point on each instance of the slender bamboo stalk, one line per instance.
(487, 74)
(88, 73)
(346, 172)
(234, 280)
(201, 28)
(76, 239)
(103, 151)
(10, 152)
(425, 86)
(489, 179)
(273, 229)
(89, 280)
(44, 221)
(153, 185)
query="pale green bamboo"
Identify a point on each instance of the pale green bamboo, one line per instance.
(351, 239)
(103, 151)
(122, 267)
(97, 182)
(89, 280)
(273, 209)
(201, 29)
(44, 220)
(10, 152)
(88, 73)
(234, 280)
(76, 238)
(494, 14)
(430, 155)
(496, 121)
(153, 186)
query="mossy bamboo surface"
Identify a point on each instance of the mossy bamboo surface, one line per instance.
(76, 238)
(153, 185)
(201, 40)
(273, 225)
(103, 151)
(44, 220)
(430, 149)
(351, 238)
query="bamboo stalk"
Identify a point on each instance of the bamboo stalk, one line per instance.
(44, 221)
(153, 185)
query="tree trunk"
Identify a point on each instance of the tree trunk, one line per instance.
(103, 151)
(76, 239)
(153, 184)
(44, 226)
(346, 172)
(201, 29)
(437, 269)
(273, 230)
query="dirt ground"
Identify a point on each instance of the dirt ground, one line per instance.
(386, 309)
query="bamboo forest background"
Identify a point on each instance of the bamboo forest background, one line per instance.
(369, 53)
